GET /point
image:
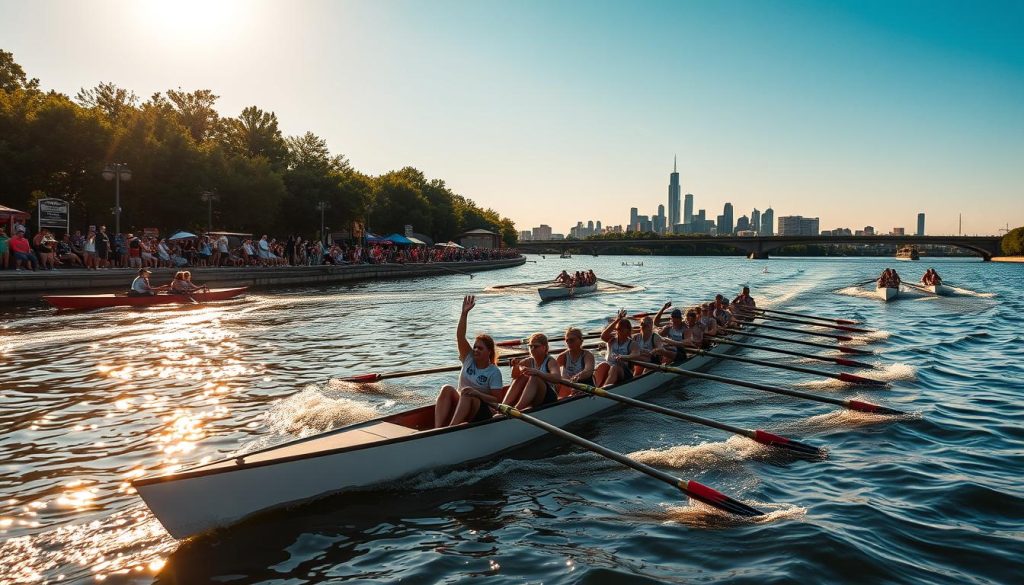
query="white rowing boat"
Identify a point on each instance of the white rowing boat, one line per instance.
(224, 492)
(887, 293)
(938, 289)
(548, 293)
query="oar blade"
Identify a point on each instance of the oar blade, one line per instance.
(852, 363)
(778, 441)
(362, 379)
(854, 350)
(854, 379)
(717, 499)
(862, 406)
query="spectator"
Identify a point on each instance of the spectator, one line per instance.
(5, 255)
(102, 248)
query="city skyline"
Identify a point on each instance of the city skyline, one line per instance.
(862, 113)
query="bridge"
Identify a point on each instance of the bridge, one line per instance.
(760, 246)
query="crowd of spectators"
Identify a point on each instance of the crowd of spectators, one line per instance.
(99, 250)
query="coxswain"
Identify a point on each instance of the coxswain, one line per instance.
(480, 380)
(531, 385)
(141, 286)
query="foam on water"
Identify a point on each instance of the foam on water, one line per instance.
(700, 515)
(857, 291)
(731, 451)
(311, 411)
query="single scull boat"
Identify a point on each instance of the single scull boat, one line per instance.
(121, 300)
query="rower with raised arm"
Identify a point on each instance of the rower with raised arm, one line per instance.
(618, 337)
(479, 383)
(534, 379)
(744, 299)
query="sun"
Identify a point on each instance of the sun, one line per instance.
(195, 22)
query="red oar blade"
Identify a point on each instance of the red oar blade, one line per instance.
(713, 497)
(853, 329)
(362, 379)
(854, 350)
(859, 380)
(847, 322)
(852, 363)
(773, 440)
(860, 405)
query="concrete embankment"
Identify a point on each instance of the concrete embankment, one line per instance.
(25, 286)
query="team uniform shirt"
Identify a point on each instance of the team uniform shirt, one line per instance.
(705, 322)
(675, 334)
(140, 285)
(572, 368)
(483, 379)
(648, 344)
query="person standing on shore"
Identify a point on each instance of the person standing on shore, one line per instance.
(102, 247)
(4, 253)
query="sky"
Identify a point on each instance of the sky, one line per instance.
(858, 112)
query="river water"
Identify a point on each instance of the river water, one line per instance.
(89, 401)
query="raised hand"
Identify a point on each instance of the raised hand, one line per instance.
(468, 303)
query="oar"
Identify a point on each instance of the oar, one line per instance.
(805, 332)
(525, 283)
(804, 322)
(844, 349)
(866, 281)
(840, 376)
(693, 489)
(805, 316)
(824, 358)
(920, 288)
(858, 405)
(763, 437)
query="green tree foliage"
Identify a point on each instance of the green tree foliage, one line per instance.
(1013, 242)
(177, 146)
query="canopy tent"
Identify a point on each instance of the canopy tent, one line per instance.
(417, 241)
(182, 236)
(448, 244)
(8, 215)
(372, 239)
(400, 239)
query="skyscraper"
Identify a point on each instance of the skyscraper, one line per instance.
(659, 220)
(755, 220)
(920, 224)
(633, 214)
(688, 208)
(768, 222)
(673, 195)
(725, 222)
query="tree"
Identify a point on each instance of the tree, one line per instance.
(1013, 242)
(113, 101)
(255, 133)
(398, 201)
(195, 112)
(310, 151)
(12, 76)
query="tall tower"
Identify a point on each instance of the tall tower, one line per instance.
(920, 224)
(688, 209)
(727, 216)
(673, 196)
(634, 213)
(755, 220)
(768, 222)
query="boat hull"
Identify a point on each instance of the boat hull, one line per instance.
(225, 492)
(887, 293)
(68, 302)
(549, 293)
(938, 289)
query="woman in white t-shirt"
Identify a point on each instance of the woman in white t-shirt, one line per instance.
(479, 382)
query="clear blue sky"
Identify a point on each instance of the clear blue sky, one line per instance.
(859, 112)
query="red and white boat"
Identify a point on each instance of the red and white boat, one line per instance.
(123, 300)
(224, 492)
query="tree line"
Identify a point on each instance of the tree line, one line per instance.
(178, 146)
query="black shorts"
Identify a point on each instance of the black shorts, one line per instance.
(550, 394)
(483, 413)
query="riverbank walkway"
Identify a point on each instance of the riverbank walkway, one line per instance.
(27, 286)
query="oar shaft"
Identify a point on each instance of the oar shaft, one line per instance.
(805, 332)
(691, 488)
(843, 349)
(824, 358)
(854, 404)
(805, 322)
(840, 376)
(806, 316)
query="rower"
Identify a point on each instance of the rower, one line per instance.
(673, 337)
(564, 278)
(533, 378)
(577, 364)
(648, 344)
(744, 299)
(707, 321)
(722, 314)
(480, 381)
(617, 336)
(141, 286)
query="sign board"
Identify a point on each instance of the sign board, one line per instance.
(54, 213)
(151, 232)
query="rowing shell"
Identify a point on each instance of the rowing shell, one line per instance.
(548, 293)
(111, 300)
(887, 293)
(224, 492)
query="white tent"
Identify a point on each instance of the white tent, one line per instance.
(182, 236)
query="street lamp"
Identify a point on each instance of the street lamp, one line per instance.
(118, 172)
(209, 197)
(322, 206)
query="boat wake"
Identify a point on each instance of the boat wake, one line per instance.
(844, 419)
(310, 412)
(510, 470)
(857, 291)
(700, 515)
(885, 373)
(966, 292)
(731, 451)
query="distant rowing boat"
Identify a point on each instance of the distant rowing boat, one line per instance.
(548, 293)
(118, 300)
(938, 289)
(887, 293)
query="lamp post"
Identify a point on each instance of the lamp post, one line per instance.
(209, 197)
(322, 206)
(118, 172)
